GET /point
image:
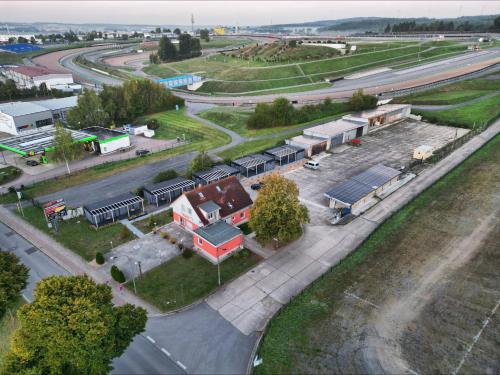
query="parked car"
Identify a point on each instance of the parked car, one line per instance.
(141, 152)
(32, 163)
(257, 186)
(311, 164)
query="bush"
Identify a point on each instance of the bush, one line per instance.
(164, 235)
(153, 124)
(99, 258)
(173, 240)
(117, 274)
(165, 175)
(180, 246)
(140, 191)
(187, 253)
(125, 234)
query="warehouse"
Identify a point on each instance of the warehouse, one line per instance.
(110, 210)
(36, 141)
(216, 173)
(20, 116)
(34, 76)
(59, 107)
(385, 114)
(167, 191)
(311, 145)
(337, 132)
(356, 194)
(253, 165)
(283, 155)
(108, 140)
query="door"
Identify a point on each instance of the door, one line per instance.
(359, 132)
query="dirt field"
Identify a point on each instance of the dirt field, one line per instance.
(131, 60)
(422, 299)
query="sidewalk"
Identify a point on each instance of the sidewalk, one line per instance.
(251, 300)
(67, 259)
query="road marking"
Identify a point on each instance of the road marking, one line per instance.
(165, 351)
(476, 338)
(181, 365)
(150, 339)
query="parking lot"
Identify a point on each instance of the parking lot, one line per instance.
(392, 146)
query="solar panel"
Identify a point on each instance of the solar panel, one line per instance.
(349, 191)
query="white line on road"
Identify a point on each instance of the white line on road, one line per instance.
(150, 339)
(181, 365)
(165, 351)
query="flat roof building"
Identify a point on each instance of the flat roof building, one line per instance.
(215, 173)
(283, 155)
(384, 114)
(112, 209)
(34, 76)
(167, 191)
(59, 107)
(253, 165)
(217, 241)
(108, 140)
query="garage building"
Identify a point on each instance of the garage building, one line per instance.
(108, 140)
(34, 76)
(167, 191)
(112, 209)
(283, 155)
(385, 114)
(16, 117)
(253, 165)
(216, 173)
(59, 107)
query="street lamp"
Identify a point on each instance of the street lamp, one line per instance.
(133, 273)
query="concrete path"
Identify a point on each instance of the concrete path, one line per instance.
(250, 301)
(453, 106)
(132, 228)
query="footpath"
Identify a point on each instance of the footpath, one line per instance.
(250, 301)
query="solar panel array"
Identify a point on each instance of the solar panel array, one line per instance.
(376, 176)
(112, 204)
(216, 173)
(252, 160)
(284, 151)
(20, 47)
(170, 185)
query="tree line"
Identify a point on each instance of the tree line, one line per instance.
(116, 105)
(412, 26)
(9, 91)
(188, 47)
(282, 113)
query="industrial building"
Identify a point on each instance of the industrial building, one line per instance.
(108, 140)
(166, 192)
(216, 173)
(34, 76)
(16, 117)
(283, 155)
(253, 165)
(355, 194)
(384, 114)
(110, 210)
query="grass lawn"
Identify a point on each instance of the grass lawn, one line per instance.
(78, 235)
(469, 116)
(8, 174)
(146, 225)
(314, 327)
(8, 324)
(173, 123)
(182, 281)
(221, 42)
(160, 70)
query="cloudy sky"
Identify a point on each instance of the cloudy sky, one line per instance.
(231, 12)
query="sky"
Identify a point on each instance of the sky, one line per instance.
(231, 12)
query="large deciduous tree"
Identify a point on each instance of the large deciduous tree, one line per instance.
(360, 101)
(277, 213)
(88, 112)
(166, 50)
(65, 148)
(13, 278)
(71, 327)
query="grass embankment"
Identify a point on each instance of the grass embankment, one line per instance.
(172, 124)
(146, 225)
(8, 174)
(78, 235)
(312, 329)
(182, 281)
(475, 115)
(8, 324)
(455, 93)
(222, 42)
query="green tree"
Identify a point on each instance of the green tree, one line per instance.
(201, 161)
(177, 31)
(165, 175)
(195, 47)
(184, 46)
(387, 29)
(71, 327)
(283, 111)
(65, 148)
(292, 43)
(13, 278)
(22, 39)
(496, 23)
(88, 112)
(166, 49)
(277, 212)
(204, 35)
(158, 30)
(360, 101)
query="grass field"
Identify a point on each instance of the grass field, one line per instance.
(146, 225)
(221, 42)
(77, 234)
(325, 330)
(182, 281)
(8, 174)
(8, 324)
(160, 70)
(173, 123)
(478, 114)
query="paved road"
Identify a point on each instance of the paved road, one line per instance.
(452, 106)
(140, 358)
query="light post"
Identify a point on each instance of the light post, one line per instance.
(218, 267)
(140, 269)
(133, 273)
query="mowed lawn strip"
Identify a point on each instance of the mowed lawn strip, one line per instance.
(173, 124)
(182, 281)
(78, 235)
(295, 339)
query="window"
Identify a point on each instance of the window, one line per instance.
(210, 215)
(200, 194)
(218, 188)
(45, 122)
(242, 215)
(200, 241)
(230, 205)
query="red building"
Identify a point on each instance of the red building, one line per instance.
(212, 212)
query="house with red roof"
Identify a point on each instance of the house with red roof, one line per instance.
(30, 76)
(212, 213)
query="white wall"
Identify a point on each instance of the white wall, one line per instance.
(7, 124)
(53, 79)
(114, 145)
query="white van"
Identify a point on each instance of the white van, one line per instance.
(311, 164)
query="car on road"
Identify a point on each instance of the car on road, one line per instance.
(311, 164)
(257, 186)
(32, 163)
(141, 152)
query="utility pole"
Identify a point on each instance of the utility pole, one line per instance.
(192, 23)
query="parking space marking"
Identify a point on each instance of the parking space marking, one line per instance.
(165, 351)
(181, 365)
(151, 339)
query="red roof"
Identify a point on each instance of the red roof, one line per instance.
(33, 71)
(227, 193)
